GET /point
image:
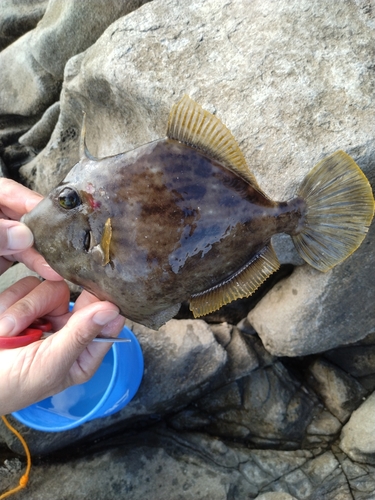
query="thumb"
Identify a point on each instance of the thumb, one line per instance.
(76, 336)
(14, 237)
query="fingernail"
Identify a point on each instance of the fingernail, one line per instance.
(7, 324)
(113, 328)
(104, 317)
(19, 238)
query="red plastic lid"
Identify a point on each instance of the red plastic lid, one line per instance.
(26, 337)
(31, 334)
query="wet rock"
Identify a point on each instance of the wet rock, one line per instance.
(266, 407)
(357, 437)
(360, 476)
(358, 360)
(161, 464)
(340, 392)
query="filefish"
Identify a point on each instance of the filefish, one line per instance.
(183, 219)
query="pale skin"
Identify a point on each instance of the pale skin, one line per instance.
(29, 374)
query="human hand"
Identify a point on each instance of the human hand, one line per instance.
(34, 372)
(16, 239)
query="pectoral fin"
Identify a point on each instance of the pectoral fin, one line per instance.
(242, 284)
(106, 241)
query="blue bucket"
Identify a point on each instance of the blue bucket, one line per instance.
(110, 389)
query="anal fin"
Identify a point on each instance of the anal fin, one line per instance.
(240, 285)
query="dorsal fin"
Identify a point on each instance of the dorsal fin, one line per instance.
(83, 150)
(190, 124)
(240, 285)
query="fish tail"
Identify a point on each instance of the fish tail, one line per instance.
(339, 210)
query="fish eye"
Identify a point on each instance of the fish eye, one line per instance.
(68, 198)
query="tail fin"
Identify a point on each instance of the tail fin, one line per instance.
(339, 210)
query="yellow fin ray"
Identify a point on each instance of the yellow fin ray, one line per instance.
(242, 284)
(190, 124)
(339, 210)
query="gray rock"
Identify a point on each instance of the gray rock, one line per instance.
(38, 136)
(285, 250)
(12, 127)
(13, 274)
(268, 407)
(275, 496)
(340, 392)
(357, 359)
(10, 472)
(33, 66)
(311, 312)
(17, 17)
(3, 169)
(161, 464)
(357, 436)
(229, 72)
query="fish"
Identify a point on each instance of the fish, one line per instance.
(182, 218)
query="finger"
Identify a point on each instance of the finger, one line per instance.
(33, 260)
(27, 302)
(73, 342)
(14, 237)
(110, 330)
(16, 199)
(17, 291)
(86, 298)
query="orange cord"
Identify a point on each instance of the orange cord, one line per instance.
(25, 478)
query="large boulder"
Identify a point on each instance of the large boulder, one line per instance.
(32, 67)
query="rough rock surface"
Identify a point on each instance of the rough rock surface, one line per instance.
(17, 17)
(13, 274)
(33, 66)
(165, 465)
(38, 136)
(311, 312)
(217, 415)
(358, 437)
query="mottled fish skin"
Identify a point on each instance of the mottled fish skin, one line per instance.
(181, 223)
(183, 218)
